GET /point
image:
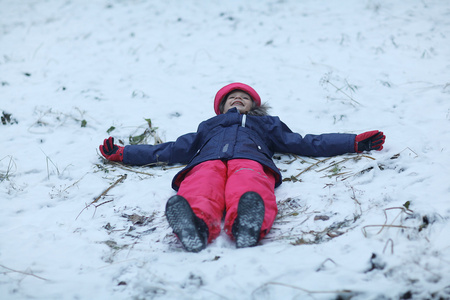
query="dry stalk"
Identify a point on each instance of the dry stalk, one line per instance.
(384, 226)
(392, 246)
(322, 265)
(123, 167)
(356, 200)
(75, 183)
(303, 289)
(11, 164)
(341, 91)
(325, 235)
(338, 174)
(97, 205)
(123, 177)
(24, 273)
(312, 166)
(290, 161)
(402, 209)
(333, 164)
(367, 156)
(407, 148)
(174, 167)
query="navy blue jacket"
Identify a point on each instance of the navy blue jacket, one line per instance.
(234, 135)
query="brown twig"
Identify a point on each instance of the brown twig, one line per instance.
(334, 164)
(123, 177)
(367, 156)
(123, 167)
(403, 209)
(95, 210)
(313, 165)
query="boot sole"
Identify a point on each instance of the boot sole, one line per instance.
(182, 219)
(250, 219)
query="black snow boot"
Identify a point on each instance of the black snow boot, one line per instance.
(190, 229)
(247, 226)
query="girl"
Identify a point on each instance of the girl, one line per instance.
(230, 169)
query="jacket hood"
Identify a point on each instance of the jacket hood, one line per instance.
(262, 110)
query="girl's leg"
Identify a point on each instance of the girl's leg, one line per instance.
(203, 188)
(244, 176)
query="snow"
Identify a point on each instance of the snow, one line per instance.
(323, 66)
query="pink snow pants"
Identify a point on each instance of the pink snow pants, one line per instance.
(215, 187)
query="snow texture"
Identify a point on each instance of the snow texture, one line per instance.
(372, 226)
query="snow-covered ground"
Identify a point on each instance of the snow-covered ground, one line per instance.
(373, 226)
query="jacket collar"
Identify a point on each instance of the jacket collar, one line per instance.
(233, 110)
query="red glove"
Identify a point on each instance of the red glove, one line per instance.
(110, 151)
(370, 140)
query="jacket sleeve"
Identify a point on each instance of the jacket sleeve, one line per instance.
(179, 151)
(322, 145)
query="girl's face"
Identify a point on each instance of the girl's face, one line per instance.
(241, 100)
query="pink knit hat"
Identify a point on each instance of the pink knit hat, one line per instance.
(223, 92)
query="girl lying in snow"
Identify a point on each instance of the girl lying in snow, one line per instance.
(230, 168)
